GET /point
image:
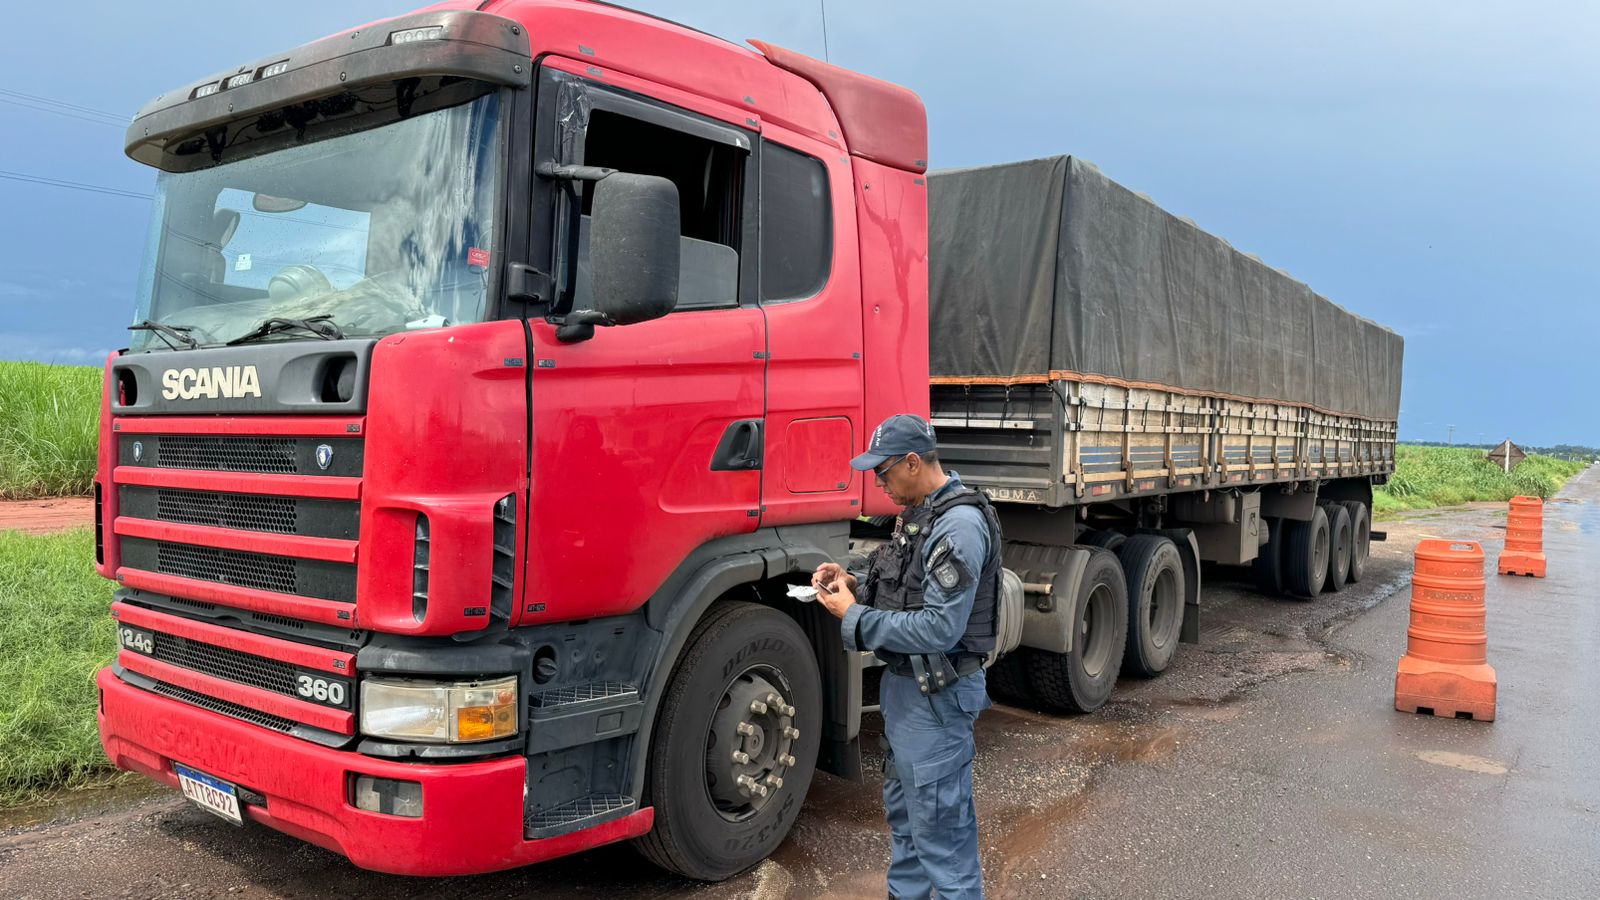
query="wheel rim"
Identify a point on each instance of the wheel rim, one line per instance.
(1092, 636)
(750, 744)
(1319, 550)
(1164, 605)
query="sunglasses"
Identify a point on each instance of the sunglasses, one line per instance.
(881, 473)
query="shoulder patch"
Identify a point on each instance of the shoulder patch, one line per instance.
(946, 567)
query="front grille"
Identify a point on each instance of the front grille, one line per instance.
(226, 454)
(245, 713)
(246, 511)
(260, 454)
(253, 570)
(229, 665)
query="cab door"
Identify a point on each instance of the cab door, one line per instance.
(648, 438)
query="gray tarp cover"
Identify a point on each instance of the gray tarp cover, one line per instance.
(1048, 265)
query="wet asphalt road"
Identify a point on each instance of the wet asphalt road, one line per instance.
(1268, 762)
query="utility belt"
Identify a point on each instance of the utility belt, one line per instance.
(935, 671)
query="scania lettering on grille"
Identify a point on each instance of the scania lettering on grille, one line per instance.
(228, 382)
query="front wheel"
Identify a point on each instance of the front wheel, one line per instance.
(735, 743)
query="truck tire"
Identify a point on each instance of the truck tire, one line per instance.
(1269, 560)
(1338, 546)
(1008, 678)
(1109, 540)
(1081, 680)
(1305, 556)
(709, 826)
(1155, 603)
(1360, 538)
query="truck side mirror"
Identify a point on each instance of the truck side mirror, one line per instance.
(633, 247)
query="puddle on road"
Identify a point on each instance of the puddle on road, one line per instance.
(1463, 761)
(114, 793)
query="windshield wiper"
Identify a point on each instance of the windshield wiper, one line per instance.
(321, 326)
(168, 333)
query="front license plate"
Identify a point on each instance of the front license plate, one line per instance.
(210, 794)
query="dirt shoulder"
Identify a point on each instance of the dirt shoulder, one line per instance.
(45, 516)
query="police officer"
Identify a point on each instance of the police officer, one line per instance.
(927, 608)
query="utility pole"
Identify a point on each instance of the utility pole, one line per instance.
(1450, 439)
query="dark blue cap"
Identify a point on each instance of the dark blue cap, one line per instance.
(897, 436)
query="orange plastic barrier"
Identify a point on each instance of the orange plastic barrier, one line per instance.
(1445, 671)
(1524, 553)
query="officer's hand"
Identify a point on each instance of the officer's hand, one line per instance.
(832, 575)
(838, 596)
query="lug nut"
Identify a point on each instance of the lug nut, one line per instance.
(774, 699)
(792, 733)
(775, 782)
(745, 728)
(786, 760)
(757, 707)
(787, 710)
(741, 757)
(751, 785)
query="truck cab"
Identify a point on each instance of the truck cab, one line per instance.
(495, 372)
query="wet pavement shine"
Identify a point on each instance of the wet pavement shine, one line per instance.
(1267, 762)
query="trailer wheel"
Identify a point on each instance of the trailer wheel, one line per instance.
(1306, 556)
(1108, 540)
(1269, 560)
(1155, 603)
(1008, 678)
(1338, 546)
(1081, 679)
(1360, 538)
(735, 743)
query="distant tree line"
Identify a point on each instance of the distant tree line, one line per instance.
(1559, 451)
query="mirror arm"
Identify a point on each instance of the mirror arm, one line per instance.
(578, 325)
(572, 173)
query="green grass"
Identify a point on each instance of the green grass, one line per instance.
(56, 631)
(1427, 477)
(49, 429)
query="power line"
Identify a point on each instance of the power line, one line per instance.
(61, 108)
(73, 106)
(73, 185)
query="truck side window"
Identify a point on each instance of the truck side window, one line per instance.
(708, 176)
(796, 224)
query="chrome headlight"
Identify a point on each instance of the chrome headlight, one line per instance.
(439, 712)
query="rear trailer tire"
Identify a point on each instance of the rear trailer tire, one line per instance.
(1360, 539)
(708, 825)
(1338, 546)
(1081, 679)
(1155, 603)
(1008, 678)
(1269, 560)
(1108, 540)
(1305, 556)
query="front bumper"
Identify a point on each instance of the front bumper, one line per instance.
(472, 818)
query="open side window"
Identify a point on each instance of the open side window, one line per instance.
(710, 164)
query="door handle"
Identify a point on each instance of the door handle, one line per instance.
(740, 449)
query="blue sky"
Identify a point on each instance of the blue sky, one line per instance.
(1434, 166)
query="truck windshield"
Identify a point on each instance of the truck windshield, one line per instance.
(382, 230)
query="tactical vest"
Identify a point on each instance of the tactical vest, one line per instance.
(895, 577)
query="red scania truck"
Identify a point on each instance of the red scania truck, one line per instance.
(496, 372)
